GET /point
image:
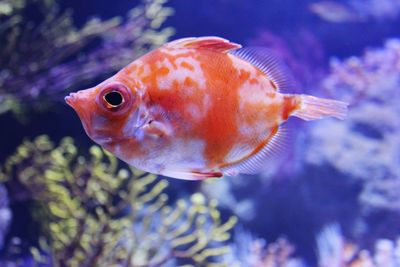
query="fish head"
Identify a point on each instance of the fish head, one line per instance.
(106, 109)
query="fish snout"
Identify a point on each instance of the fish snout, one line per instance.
(71, 99)
(78, 100)
(82, 105)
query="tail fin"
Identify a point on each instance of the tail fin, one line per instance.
(314, 108)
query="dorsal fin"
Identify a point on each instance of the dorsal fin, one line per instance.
(270, 64)
(254, 163)
(208, 42)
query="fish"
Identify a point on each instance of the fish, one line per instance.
(197, 108)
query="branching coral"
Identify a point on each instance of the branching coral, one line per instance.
(95, 213)
(47, 55)
(224, 191)
(366, 145)
(335, 251)
(253, 252)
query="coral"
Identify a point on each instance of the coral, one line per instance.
(365, 146)
(335, 251)
(5, 214)
(254, 252)
(42, 57)
(95, 213)
(332, 248)
(224, 191)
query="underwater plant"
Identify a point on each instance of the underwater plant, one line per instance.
(94, 212)
(46, 55)
(364, 147)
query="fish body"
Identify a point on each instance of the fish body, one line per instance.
(193, 109)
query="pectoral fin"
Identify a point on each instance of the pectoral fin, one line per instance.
(156, 129)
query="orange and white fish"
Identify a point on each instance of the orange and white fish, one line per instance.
(196, 108)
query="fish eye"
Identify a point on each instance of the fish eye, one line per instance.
(114, 98)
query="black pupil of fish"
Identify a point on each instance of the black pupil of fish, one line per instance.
(114, 98)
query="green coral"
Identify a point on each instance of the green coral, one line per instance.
(96, 213)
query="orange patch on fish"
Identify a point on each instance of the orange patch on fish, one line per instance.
(253, 81)
(187, 66)
(189, 82)
(219, 129)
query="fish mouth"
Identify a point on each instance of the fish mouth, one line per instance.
(71, 99)
(75, 101)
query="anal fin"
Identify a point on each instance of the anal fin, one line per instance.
(256, 161)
